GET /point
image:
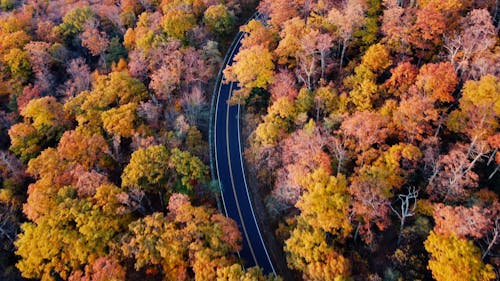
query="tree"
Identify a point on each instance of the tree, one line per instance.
(279, 11)
(426, 33)
(96, 41)
(75, 147)
(367, 128)
(463, 222)
(236, 272)
(403, 76)
(283, 85)
(189, 168)
(45, 120)
(41, 58)
(309, 252)
(454, 258)
(407, 209)
(415, 117)
(80, 79)
(364, 90)
(188, 231)
(438, 81)
(121, 121)
(252, 68)
(477, 36)
(218, 19)
(289, 45)
(396, 26)
(303, 152)
(325, 204)
(147, 169)
(377, 58)
(453, 176)
(81, 227)
(102, 269)
(256, 33)
(479, 109)
(18, 64)
(348, 19)
(177, 22)
(74, 22)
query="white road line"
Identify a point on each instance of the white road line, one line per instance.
(248, 195)
(241, 34)
(215, 131)
(234, 186)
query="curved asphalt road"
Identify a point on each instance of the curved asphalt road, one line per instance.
(231, 174)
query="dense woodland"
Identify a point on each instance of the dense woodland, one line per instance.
(373, 131)
(375, 135)
(104, 120)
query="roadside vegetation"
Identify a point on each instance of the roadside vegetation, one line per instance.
(373, 130)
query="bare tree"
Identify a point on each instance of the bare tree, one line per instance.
(492, 239)
(406, 209)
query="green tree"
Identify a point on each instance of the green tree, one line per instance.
(218, 19)
(74, 22)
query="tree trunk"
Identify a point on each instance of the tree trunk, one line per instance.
(344, 47)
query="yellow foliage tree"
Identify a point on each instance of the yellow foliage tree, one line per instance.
(456, 259)
(309, 252)
(325, 204)
(252, 68)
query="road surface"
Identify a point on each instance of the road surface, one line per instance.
(231, 174)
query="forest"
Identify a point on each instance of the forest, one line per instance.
(371, 132)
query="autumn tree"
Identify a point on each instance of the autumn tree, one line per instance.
(147, 168)
(479, 109)
(80, 79)
(303, 152)
(256, 33)
(85, 228)
(325, 204)
(289, 44)
(427, 31)
(177, 22)
(348, 19)
(309, 252)
(438, 81)
(366, 128)
(403, 76)
(453, 177)
(74, 22)
(416, 117)
(102, 269)
(45, 120)
(463, 222)
(252, 68)
(218, 19)
(279, 11)
(476, 38)
(396, 26)
(93, 39)
(18, 64)
(454, 258)
(188, 231)
(236, 272)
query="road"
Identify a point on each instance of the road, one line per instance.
(231, 173)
